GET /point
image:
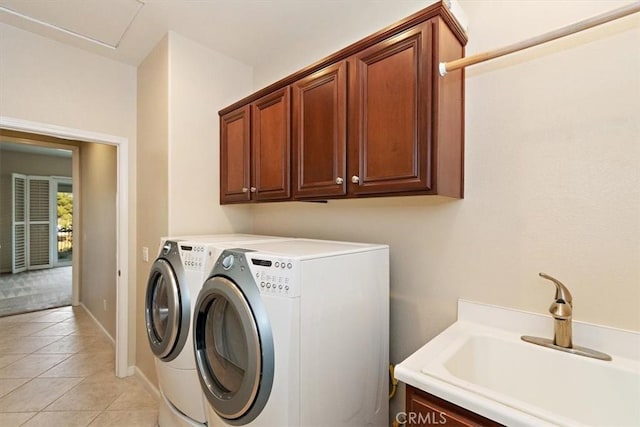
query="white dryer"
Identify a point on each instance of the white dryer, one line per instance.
(174, 281)
(295, 333)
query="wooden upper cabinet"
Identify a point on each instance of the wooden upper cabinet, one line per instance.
(255, 150)
(235, 156)
(319, 133)
(373, 119)
(390, 137)
(271, 145)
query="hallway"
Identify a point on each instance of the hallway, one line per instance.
(57, 369)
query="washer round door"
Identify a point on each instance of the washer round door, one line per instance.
(164, 311)
(234, 349)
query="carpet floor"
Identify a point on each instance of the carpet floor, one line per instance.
(35, 290)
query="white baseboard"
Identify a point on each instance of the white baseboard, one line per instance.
(98, 323)
(151, 388)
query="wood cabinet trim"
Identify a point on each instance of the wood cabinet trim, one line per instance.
(437, 9)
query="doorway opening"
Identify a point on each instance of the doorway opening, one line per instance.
(50, 132)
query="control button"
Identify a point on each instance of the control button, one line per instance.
(268, 285)
(262, 284)
(289, 265)
(282, 265)
(277, 264)
(227, 262)
(280, 287)
(286, 288)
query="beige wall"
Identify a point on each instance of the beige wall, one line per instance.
(98, 278)
(552, 182)
(201, 83)
(26, 164)
(45, 81)
(33, 164)
(181, 87)
(153, 178)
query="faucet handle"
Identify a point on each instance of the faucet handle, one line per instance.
(562, 293)
(560, 310)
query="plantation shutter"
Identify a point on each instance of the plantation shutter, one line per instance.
(39, 222)
(19, 220)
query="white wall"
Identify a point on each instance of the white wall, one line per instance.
(45, 81)
(552, 182)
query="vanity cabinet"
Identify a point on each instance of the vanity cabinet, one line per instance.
(374, 119)
(255, 144)
(424, 409)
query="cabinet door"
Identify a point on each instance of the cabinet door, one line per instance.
(424, 409)
(235, 155)
(319, 133)
(271, 139)
(390, 135)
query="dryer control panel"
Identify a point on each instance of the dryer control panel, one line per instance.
(274, 275)
(193, 256)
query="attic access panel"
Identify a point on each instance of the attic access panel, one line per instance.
(102, 21)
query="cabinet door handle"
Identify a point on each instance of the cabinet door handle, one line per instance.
(254, 189)
(355, 179)
(339, 180)
(245, 189)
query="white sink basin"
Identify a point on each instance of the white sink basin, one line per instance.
(558, 387)
(491, 371)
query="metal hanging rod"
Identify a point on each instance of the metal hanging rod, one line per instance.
(621, 12)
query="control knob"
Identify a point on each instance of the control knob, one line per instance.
(227, 262)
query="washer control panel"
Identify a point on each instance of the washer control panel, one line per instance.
(274, 275)
(193, 256)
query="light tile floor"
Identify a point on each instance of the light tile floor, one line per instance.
(57, 369)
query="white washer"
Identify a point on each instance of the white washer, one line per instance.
(174, 282)
(295, 333)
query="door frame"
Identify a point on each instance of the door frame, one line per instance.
(122, 219)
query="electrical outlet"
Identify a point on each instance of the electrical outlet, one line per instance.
(145, 254)
(104, 304)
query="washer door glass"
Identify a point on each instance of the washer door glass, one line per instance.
(162, 308)
(228, 352)
(226, 345)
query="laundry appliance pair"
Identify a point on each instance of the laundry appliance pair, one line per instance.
(287, 332)
(175, 278)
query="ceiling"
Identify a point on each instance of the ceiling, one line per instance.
(251, 31)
